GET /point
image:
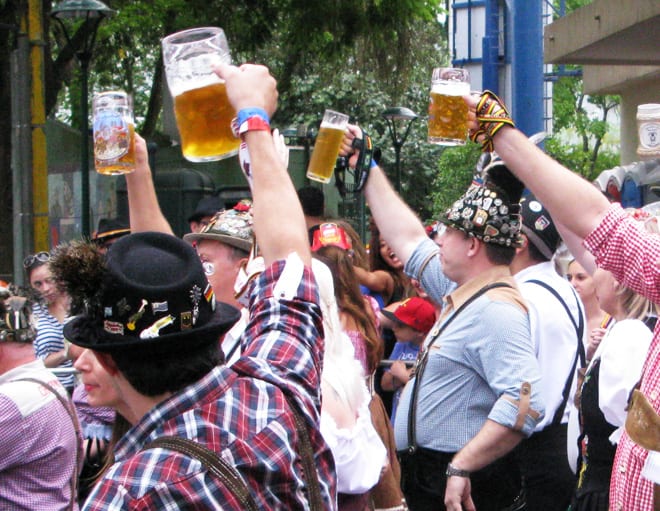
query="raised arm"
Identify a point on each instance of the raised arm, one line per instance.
(279, 224)
(144, 210)
(571, 199)
(398, 224)
(577, 249)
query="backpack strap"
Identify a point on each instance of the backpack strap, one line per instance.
(68, 406)
(213, 462)
(579, 331)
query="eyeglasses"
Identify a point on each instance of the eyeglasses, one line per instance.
(39, 257)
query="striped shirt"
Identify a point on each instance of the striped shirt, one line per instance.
(240, 412)
(622, 246)
(50, 339)
(482, 357)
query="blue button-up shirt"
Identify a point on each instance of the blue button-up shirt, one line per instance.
(476, 367)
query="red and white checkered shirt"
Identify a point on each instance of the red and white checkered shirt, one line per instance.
(622, 246)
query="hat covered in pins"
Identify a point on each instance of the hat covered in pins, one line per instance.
(490, 210)
(153, 294)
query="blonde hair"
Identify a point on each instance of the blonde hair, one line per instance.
(635, 305)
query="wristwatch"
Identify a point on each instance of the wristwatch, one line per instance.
(453, 471)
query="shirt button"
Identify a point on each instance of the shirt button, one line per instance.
(622, 468)
(654, 395)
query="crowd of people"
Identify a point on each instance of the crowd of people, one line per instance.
(252, 364)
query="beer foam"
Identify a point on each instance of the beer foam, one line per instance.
(331, 126)
(450, 88)
(194, 72)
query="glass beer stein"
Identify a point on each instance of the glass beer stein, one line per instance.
(201, 107)
(114, 133)
(448, 112)
(326, 146)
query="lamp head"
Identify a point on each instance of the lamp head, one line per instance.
(81, 9)
(397, 113)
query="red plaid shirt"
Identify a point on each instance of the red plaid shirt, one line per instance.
(621, 246)
(240, 412)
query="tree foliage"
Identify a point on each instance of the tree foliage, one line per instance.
(582, 123)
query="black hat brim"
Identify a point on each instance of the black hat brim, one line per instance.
(390, 315)
(88, 333)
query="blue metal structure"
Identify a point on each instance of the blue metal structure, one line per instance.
(491, 48)
(527, 65)
(509, 58)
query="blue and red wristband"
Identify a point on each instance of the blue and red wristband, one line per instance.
(252, 119)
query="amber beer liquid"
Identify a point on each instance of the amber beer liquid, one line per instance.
(203, 116)
(114, 134)
(324, 156)
(448, 112)
(107, 163)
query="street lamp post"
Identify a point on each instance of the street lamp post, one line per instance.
(92, 13)
(402, 117)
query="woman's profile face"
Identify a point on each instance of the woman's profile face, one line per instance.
(581, 281)
(98, 383)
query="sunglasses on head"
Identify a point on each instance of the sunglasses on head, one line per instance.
(39, 257)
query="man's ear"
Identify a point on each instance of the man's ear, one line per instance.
(525, 245)
(107, 362)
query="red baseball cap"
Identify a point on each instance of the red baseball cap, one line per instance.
(330, 235)
(414, 312)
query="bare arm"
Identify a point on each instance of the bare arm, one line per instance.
(379, 281)
(279, 224)
(397, 223)
(144, 210)
(577, 249)
(571, 199)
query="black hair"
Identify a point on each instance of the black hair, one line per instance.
(152, 373)
(312, 200)
(500, 254)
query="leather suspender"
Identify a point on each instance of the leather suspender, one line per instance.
(422, 360)
(213, 463)
(579, 354)
(76, 426)
(230, 477)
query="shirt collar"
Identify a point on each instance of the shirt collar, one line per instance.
(22, 371)
(461, 294)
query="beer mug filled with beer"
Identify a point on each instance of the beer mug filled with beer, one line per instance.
(448, 111)
(201, 107)
(114, 133)
(326, 146)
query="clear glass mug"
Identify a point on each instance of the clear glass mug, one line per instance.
(201, 107)
(326, 146)
(113, 133)
(448, 112)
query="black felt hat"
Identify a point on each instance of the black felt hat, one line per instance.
(155, 295)
(110, 228)
(207, 206)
